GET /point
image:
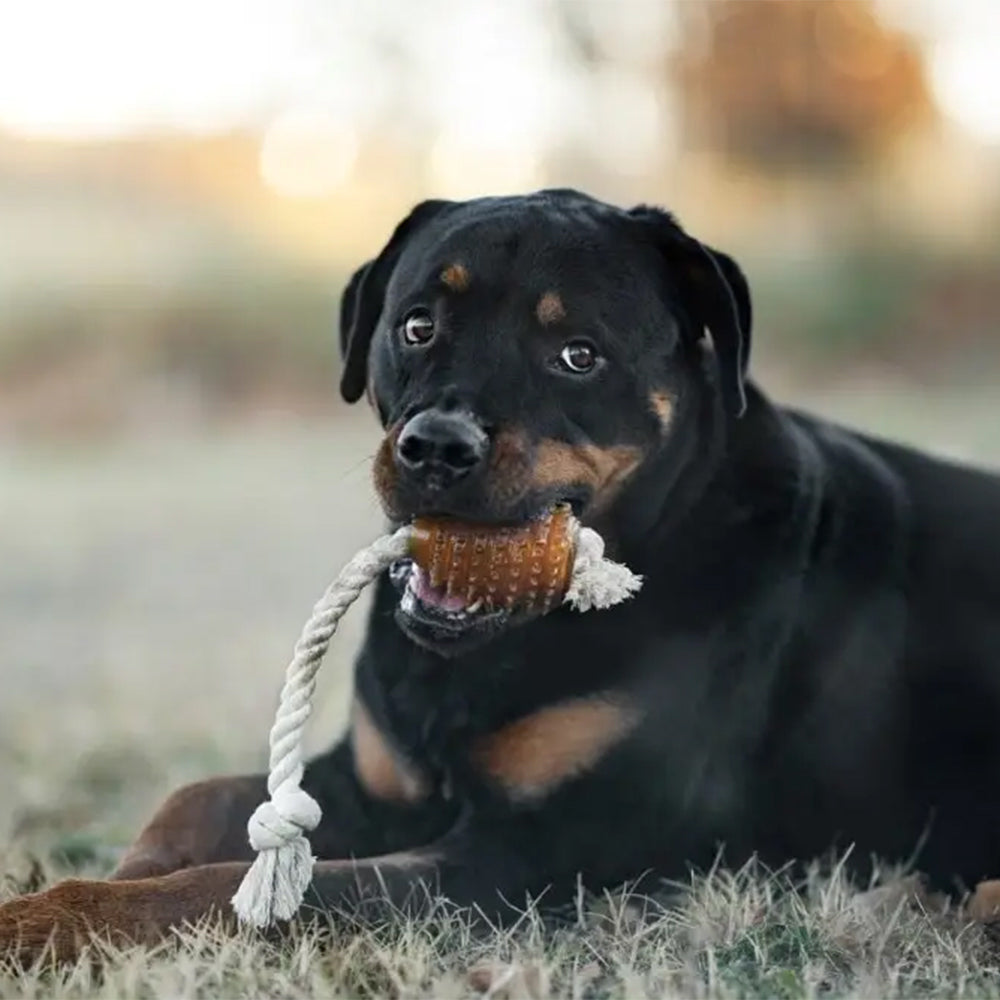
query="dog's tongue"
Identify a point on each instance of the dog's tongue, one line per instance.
(436, 596)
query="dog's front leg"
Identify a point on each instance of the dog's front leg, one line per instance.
(469, 867)
(369, 808)
(198, 824)
(60, 921)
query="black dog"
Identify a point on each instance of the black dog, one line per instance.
(812, 663)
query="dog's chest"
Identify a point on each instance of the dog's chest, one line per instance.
(435, 718)
(518, 722)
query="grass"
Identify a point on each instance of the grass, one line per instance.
(150, 589)
(727, 934)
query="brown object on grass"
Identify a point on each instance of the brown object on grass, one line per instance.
(526, 566)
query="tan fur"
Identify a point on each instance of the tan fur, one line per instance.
(456, 277)
(663, 407)
(515, 468)
(198, 824)
(984, 905)
(534, 755)
(605, 470)
(60, 921)
(384, 473)
(509, 457)
(550, 309)
(380, 769)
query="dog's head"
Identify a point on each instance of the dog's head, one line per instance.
(526, 351)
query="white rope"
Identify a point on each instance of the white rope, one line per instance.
(277, 881)
(597, 583)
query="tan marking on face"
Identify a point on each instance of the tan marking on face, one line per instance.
(663, 407)
(510, 451)
(604, 470)
(550, 309)
(536, 754)
(379, 768)
(384, 473)
(456, 277)
(507, 476)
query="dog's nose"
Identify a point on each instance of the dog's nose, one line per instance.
(439, 447)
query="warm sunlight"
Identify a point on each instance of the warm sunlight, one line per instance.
(109, 67)
(104, 67)
(965, 74)
(112, 67)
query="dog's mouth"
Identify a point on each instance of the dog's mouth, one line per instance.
(468, 582)
(444, 621)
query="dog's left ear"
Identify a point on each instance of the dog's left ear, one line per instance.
(715, 294)
(363, 298)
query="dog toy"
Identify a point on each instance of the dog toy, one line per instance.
(534, 567)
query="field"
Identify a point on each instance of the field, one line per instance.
(150, 591)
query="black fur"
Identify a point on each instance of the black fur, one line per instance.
(816, 648)
(361, 304)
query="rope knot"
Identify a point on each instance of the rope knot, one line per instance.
(286, 816)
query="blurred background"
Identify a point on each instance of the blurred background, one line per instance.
(184, 187)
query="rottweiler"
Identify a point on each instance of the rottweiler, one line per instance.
(812, 664)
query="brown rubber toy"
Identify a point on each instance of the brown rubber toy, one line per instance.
(527, 566)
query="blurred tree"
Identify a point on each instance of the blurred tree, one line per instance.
(797, 83)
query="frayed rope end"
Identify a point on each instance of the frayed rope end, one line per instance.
(598, 583)
(275, 885)
(277, 880)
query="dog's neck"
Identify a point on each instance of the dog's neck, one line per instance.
(712, 465)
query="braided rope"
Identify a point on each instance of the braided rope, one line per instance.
(277, 881)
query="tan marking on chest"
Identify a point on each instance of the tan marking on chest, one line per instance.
(456, 277)
(550, 309)
(536, 754)
(604, 470)
(379, 768)
(663, 407)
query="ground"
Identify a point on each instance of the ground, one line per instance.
(150, 592)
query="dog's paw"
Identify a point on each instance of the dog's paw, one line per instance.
(56, 923)
(61, 921)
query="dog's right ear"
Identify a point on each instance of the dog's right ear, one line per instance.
(715, 294)
(364, 296)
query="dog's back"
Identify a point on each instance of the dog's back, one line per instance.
(891, 699)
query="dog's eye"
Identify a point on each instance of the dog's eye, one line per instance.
(418, 328)
(578, 357)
